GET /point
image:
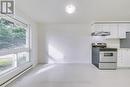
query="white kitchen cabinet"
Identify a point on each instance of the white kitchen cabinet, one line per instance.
(97, 28)
(119, 58)
(106, 27)
(123, 59)
(123, 28)
(126, 27)
(117, 30)
(113, 29)
(122, 31)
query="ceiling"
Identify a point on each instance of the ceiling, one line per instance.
(53, 11)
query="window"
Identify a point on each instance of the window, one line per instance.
(23, 57)
(7, 62)
(14, 44)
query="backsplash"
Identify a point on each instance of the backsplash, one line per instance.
(114, 43)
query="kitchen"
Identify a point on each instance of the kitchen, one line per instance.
(115, 36)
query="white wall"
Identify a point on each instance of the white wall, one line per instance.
(69, 43)
(24, 18)
(42, 44)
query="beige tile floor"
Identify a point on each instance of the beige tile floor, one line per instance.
(73, 75)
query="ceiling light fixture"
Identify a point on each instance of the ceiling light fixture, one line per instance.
(70, 9)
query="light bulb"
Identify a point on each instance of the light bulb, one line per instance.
(70, 9)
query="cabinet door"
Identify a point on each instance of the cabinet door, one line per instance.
(128, 27)
(113, 28)
(106, 27)
(124, 58)
(119, 58)
(127, 58)
(97, 28)
(122, 30)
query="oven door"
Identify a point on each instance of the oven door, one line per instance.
(108, 56)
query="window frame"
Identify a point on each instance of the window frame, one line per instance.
(4, 52)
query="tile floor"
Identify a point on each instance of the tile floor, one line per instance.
(73, 75)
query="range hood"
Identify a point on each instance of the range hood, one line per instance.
(102, 33)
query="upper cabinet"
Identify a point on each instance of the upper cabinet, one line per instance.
(97, 27)
(113, 29)
(117, 30)
(123, 28)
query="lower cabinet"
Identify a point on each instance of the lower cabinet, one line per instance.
(123, 58)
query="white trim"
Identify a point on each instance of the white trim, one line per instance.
(110, 22)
